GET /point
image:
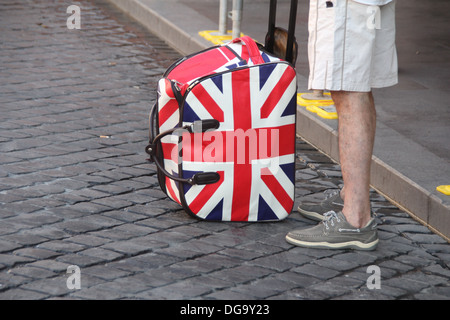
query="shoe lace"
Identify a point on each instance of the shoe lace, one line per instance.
(329, 217)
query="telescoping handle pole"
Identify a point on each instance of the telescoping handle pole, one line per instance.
(291, 30)
(271, 29)
(270, 39)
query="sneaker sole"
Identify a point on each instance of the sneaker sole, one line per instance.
(358, 245)
(311, 215)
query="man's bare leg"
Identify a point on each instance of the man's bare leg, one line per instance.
(357, 123)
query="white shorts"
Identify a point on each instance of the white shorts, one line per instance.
(351, 46)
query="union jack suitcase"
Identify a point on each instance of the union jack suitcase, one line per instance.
(222, 133)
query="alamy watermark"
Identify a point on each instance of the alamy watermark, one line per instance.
(74, 21)
(225, 146)
(374, 19)
(374, 280)
(261, 145)
(73, 282)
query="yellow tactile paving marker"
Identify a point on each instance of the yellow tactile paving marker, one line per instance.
(318, 102)
(445, 189)
(311, 99)
(215, 37)
(326, 112)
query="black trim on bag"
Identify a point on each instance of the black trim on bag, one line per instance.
(234, 52)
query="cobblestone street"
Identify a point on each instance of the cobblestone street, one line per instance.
(76, 188)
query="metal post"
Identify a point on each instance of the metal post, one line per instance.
(236, 16)
(223, 17)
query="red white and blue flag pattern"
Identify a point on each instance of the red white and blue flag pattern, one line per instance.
(253, 150)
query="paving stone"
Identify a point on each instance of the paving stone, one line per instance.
(205, 247)
(331, 290)
(78, 226)
(303, 294)
(125, 216)
(6, 246)
(439, 270)
(406, 283)
(434, 293)
(414, 260)
(104, 272)
(21, 294)
(337, 264)
(36, 253)
(263, 288)
(79, 260)
(131, 284)
(9, 260)
(356, 257)
(61, 246)
(123, 232)
(395, 265)
(208, 263)
(318, 272)
(32, 272)
(97, 293)
(279, 262)
(183, 289)
(51, 264)
(130, 247)
(364, 294)
(424, 238)
(227, 295)
(240, 253)
(88, 240)
(240, 274)
(105, 255)
(54, 287)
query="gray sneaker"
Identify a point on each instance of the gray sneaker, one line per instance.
(332, 202)
(334, 232)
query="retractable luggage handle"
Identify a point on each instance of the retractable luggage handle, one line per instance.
(200, 178)
(291, 29)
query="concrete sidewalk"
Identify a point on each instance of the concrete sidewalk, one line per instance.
(412, 149)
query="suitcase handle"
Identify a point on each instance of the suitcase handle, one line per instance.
(252, 48)
(200, 178)
(270, 37)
